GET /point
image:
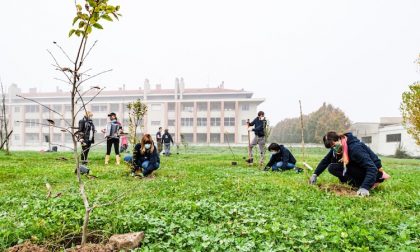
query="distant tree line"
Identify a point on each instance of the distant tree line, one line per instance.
(316, 124)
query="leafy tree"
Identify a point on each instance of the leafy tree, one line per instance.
(410, 109)
(316, 124)
(136, 111)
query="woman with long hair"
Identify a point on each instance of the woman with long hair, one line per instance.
(145, 156)
(352, 161)
(112, 135)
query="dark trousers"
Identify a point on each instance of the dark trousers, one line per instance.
(116, 143)
(85, 151)
(354, 175)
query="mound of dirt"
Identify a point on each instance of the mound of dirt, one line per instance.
(338, 189)
(27, 247)
(91, 248)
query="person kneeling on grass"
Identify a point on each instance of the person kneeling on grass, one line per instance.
(145, 157)
(352, 162)
(281, 159)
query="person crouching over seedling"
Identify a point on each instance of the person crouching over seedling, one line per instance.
(352, 162)
(145, 157)
(281, 159)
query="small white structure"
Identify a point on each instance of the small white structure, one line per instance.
(386, 136)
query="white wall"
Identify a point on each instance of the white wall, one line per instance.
(388, 148)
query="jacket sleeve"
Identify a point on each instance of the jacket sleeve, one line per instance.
(253, 122)
(93, 128)
(272, 161)
(82, 126)
(362, 158)
(324, 163)
(153, 157)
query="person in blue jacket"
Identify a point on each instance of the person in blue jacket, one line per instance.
(352, 162)
(281, 159)
(145, 157)
(259, 124)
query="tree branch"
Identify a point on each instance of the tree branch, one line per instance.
(90, 100)
(50, 109)
(93, 76)
(58, 65)
(47, 125)
(90, 49)
(64, 52)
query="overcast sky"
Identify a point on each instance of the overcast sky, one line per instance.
(356, 54)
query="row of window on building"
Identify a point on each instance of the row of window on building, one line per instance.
(185, 122)
(185, 107)
(59, 138)
(391, 138)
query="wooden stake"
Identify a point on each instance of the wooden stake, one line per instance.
(301, 127)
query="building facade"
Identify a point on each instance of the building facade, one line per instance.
(386, 136)
(198, 115)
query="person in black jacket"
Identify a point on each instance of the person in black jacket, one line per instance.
(259, 124)
(352, 162)
(86, 134)
(281, 159)
(145, 156)
(167, 140)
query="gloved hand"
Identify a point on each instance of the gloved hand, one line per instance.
(362, 192)
(312, 180)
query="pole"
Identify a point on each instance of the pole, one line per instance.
(301, 127)
(249, 142)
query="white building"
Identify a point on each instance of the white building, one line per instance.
(385, 137)
(201, 115)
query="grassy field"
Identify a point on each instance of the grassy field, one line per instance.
(198, 201)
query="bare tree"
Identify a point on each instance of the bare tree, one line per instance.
(75, 75)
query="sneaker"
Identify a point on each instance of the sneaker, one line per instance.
(298, 170)
(250, 161)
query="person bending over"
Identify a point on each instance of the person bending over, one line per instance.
(281, 159)
(352, 162)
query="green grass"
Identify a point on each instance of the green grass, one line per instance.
(199, 202)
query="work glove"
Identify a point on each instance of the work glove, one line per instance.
(312, 180)
(362, 192)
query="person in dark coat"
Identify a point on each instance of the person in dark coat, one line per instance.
(352, 162)
(167, 140)
(86, 134)
(281, 159)
(145, 157)
(259, 124)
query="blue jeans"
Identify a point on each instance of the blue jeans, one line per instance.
(128, 159)
(277, 166)
(144, 165)
(149, 169)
